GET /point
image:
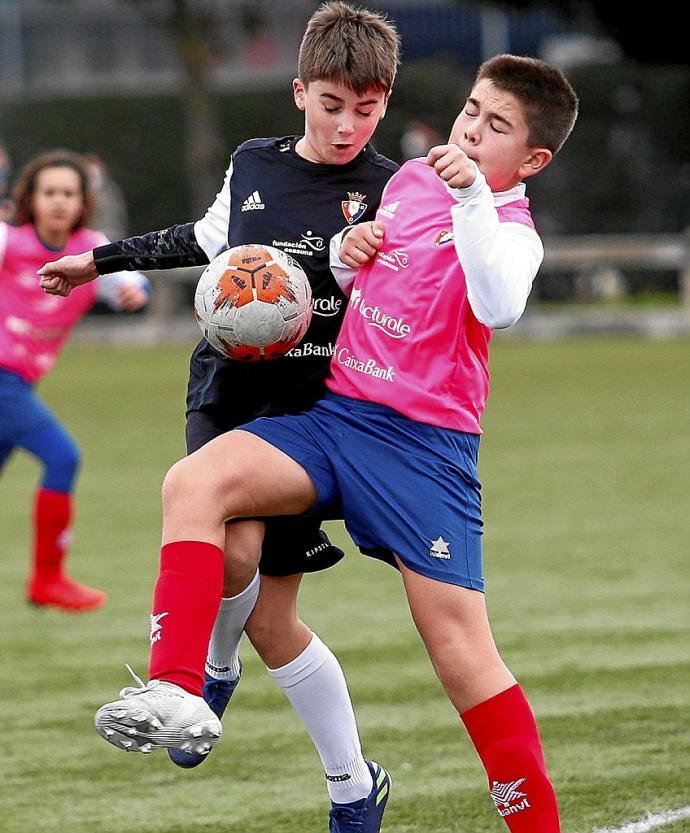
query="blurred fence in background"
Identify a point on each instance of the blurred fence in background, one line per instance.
(599, 262)
(90, 46)
(87, 46)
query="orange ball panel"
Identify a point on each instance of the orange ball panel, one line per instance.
(235, 289)
(272, 284)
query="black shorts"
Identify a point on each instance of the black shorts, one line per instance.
(294, 544)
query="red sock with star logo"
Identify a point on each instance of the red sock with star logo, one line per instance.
(185, 604)
(505, 735)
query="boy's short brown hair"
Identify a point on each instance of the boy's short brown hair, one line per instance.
(23, 191)
(354, 47)
(550, 104)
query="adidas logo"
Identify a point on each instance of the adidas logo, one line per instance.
(253, 203)
(389, 210)
(381, 782)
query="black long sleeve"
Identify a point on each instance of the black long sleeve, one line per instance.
(166, 249)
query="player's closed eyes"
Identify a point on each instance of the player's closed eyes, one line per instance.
(358, 112)
(474, 115)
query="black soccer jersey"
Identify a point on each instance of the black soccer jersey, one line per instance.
(270, 195)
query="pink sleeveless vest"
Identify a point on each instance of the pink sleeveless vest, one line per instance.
(33, 325)
(409, 339)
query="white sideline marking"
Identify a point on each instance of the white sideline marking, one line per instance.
(650, 822)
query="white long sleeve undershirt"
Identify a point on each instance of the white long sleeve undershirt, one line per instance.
(500, 260)
(211, 231)
(343, 274)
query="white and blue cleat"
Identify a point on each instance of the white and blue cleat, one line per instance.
(159, 715)
(363, 816)
(217, 694)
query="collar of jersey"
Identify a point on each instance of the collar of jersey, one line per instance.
(292, 157)
(517, 192)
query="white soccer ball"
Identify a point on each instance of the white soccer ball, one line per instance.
(253, 303)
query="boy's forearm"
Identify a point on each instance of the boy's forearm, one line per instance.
(343, 274)
(166, 249)
(500, 260)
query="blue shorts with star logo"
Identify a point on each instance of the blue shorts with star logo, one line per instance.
(402, 487)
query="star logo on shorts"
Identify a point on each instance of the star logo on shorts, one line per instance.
(439, 548)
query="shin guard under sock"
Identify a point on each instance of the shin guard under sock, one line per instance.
(185, 604)
(52, 518)
(505, 735)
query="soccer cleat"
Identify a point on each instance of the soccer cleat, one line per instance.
(363, 816)
(65, 593)
(157, 715)
(217, 694)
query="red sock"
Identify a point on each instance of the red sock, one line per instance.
(185, 604)
(506, 738)
(52, 517)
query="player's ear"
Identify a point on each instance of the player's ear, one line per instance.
(299, 92)
(537, 160)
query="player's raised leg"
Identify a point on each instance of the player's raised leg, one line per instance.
(237, 474)
(453, 624)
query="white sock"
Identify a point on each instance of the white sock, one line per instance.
(315, 685)
(223, 659)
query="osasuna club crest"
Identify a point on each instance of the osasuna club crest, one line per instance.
(354, 207)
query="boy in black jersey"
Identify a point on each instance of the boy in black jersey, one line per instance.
(294, 193)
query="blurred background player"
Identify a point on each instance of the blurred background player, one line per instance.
(53, 208)
(417, 139)
(110, 206)
(294, 193)
(6, 204)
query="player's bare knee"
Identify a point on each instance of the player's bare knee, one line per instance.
(173, 484)
(184, 486)
(241, 564)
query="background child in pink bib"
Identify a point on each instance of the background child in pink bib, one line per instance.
(53, 206)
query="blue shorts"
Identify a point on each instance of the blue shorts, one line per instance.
(291, 544)
(403, 487)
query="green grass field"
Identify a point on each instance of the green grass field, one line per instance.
(585, 466)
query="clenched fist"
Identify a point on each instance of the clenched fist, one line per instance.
(361, 243)
(453, 165)
(59, 277)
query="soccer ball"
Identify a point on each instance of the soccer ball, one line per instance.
(253, 303)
